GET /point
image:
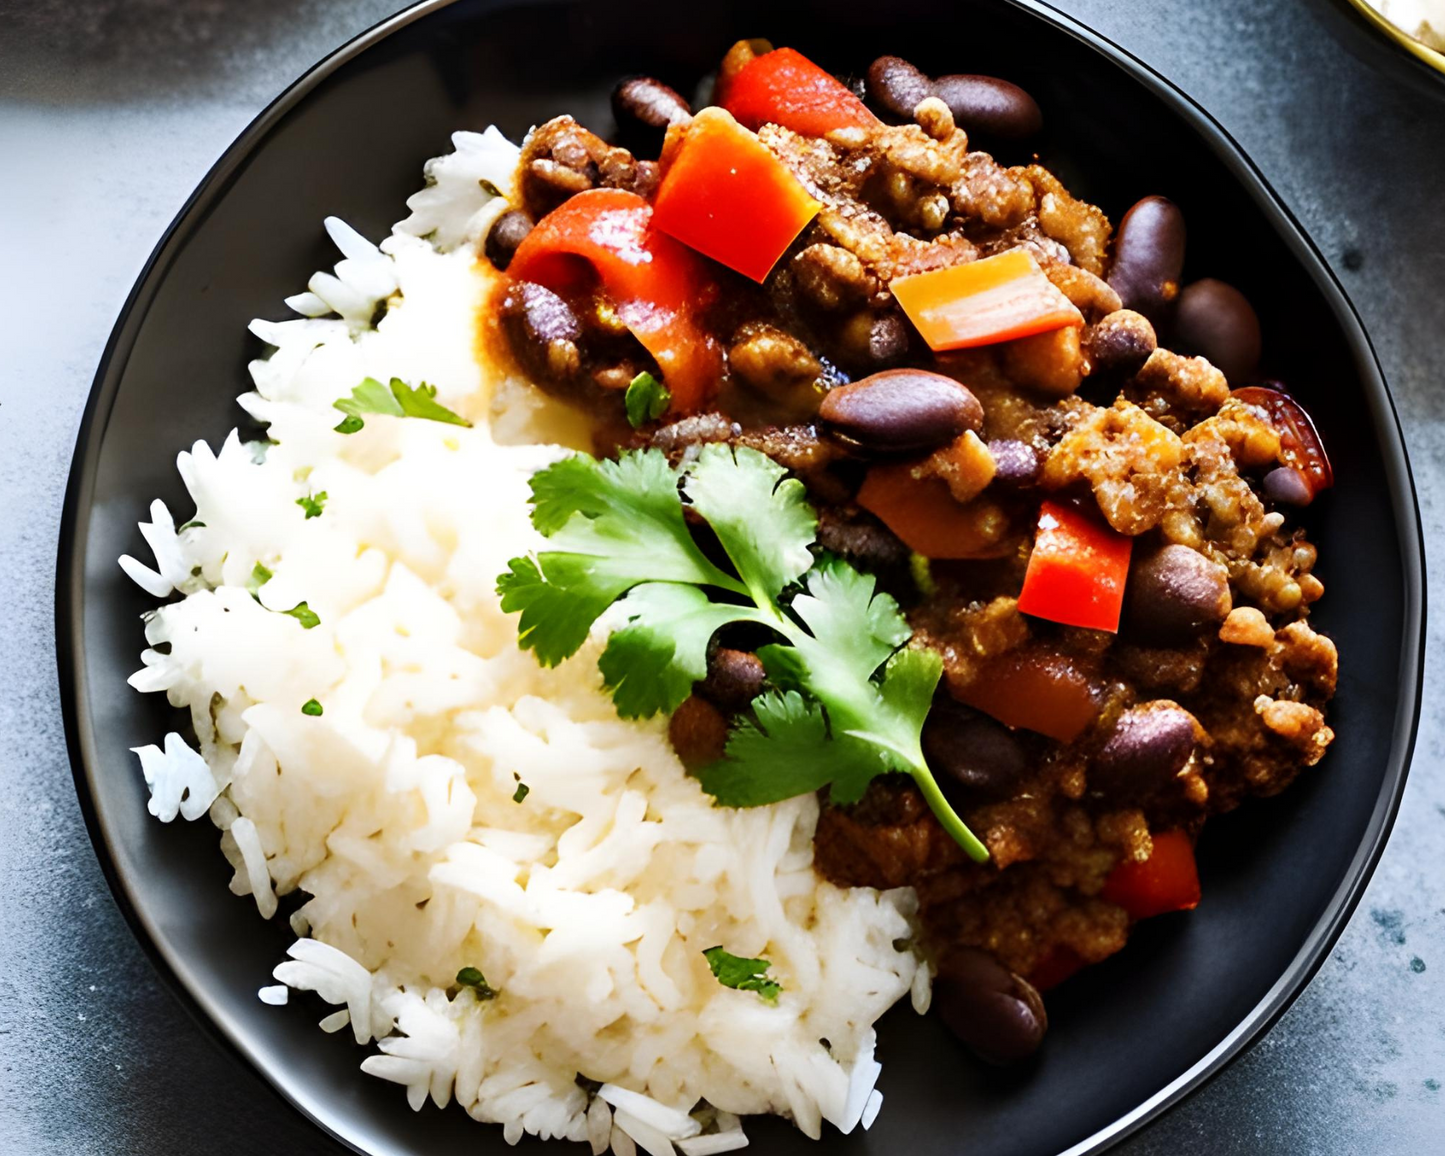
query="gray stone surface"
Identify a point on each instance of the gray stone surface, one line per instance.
(110, 113)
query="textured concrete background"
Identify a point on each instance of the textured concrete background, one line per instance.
(110, 113)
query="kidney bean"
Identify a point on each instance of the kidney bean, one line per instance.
(644, 107)
(1289, 487)
(901, 409)
(972, 755)
(1173, 595)
(1015, 464)
(979, 104)
(1300, 446)
(698, 732)
(1149, 257)
(545, 332)
(1148, 746)
(896, 86)
(507, 232)
(734, 678)
(998, 1015)
(1119, 344)
(985, 104)
(1217, 321)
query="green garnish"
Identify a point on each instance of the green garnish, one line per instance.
(473, 978)
(304, 615)
(851, 697)
(646, 400)
(313, 504)
(259, 577)
(193, 524)
(743, 974)
(311, 707)
(521, 792)
(396, 400)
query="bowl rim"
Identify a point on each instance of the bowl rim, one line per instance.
(1420, 51)
(81, 741)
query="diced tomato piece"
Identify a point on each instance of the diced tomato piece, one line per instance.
(1301, 447)
(1034, 689)
(727, 196)
(1077, 570)
(1167, 881)
(924, 514)
(658, 285)
(784, 87)
(1058, 965)
(998, 298)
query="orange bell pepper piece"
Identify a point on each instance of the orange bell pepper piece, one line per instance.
(658, 285)
(785, 87)
(924, 514)
(1036, 690)
(1166, 881)
(1077, 570)
(727, 196)
(982, 302)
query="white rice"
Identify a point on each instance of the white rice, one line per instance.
(589, 904)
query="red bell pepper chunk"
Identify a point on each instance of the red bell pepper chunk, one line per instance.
(998, 298)
(727, 196)
(785, 87)
(658, 285)
(1166, 881)
(1077, 570)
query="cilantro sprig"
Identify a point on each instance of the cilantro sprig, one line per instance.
(849, 699)
(396, 400)
(743, 974)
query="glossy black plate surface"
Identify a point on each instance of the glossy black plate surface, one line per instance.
(1128, 1037)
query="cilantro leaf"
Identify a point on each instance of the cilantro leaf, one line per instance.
(259, 577)
(311, 707)
(521, 792)
(616, 525)
(760, 515)
(313, 504)
(786, 751)
(396, 400)
(650, 664)
(848, 703)
(646, 400)
(304, 615)
(743, 974)
(473, 978)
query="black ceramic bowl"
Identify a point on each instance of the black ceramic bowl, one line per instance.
(1128, 1037)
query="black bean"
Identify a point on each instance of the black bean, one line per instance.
(1216, 320)
(997, 1014)
(644, 107)
(507, 232)
(734, 678)
(1173, 595)
(970, 751)
(986, 104)
(901, 409)
(1148, 747)
(1016, 464)
(896, 86)
(1119, 344)
(1288, 486)
(546, 335)
(1149, 257)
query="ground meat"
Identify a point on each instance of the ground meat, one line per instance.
(561, 158)
(1127, 458)
(1079, 226)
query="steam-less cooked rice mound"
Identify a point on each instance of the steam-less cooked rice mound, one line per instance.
(587, 900)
